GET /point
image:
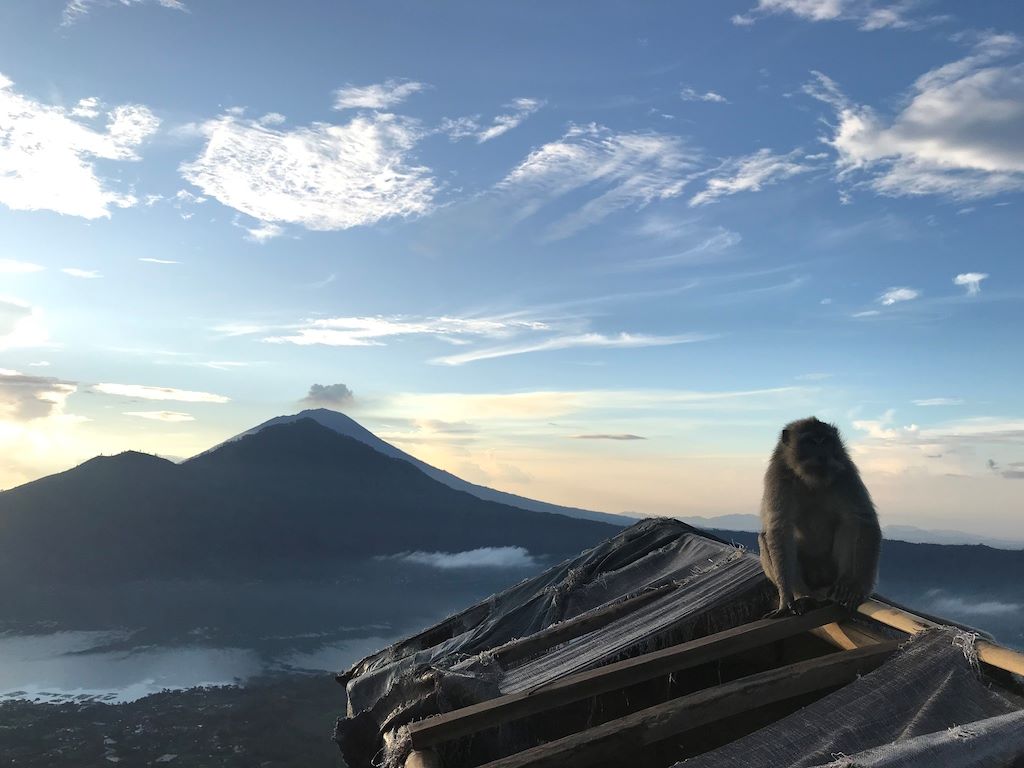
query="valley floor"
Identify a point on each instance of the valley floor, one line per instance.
(280, 722)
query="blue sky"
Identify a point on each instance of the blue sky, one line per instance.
(594, 253)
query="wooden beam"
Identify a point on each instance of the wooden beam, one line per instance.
(611, 677)
(619, 740)
(422, 759)
(897, 618)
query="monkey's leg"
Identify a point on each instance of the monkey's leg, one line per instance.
(856, 549)
(778, 547)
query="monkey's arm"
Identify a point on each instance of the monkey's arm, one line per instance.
(857, 546)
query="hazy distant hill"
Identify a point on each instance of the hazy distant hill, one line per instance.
(908, 533)
(962, 568)
(289, 496)
(345, 425)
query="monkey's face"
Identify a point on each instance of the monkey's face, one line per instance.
(815, 452)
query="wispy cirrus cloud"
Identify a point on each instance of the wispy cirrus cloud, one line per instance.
(615, 171)
(692, 94)
(960, 134)
(465, 127)
(935, 401)
(15, 267)
(82, 274)
(751, 174)
(867, 14)
(322, 176)
(146, 392)
(585, 340)
(522, 335)
(170, 417)
(148, 260)
(75, 10)
(377, 96)
(971, 281)
(373, 331)
(626, 436)
(48, 154)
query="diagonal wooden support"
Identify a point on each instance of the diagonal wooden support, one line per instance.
(583, 685)
(618, 741)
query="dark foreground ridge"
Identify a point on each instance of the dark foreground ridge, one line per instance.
(289, 497)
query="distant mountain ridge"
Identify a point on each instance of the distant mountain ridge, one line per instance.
(349, 427)
(908, 533)
(285, 498)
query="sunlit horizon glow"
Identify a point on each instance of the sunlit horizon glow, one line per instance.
(600, 270)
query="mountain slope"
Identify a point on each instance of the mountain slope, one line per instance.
(347, 426)
(290, 496)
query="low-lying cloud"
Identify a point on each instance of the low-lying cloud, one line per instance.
(484, 557)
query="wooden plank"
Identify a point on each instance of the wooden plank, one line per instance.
(422, 759)
(988, 652)
(611, 677)
(618, 741)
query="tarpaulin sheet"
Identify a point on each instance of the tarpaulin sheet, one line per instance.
(927, 707)
(708, 585)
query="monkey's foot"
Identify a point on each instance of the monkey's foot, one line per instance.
(797, 607)
(848, 596)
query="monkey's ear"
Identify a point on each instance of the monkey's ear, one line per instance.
(785, 437)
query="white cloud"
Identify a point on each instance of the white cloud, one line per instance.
(600, 340)
(691, 94)
(47, 156)
(378, 96)
(952, 605)
(144, 392)
(21, 325)
(971, 281)
(933, 401)
(522, 109)
(167, 416)
(869, 14)
(39, 364)
(76, 9)
(85, 274)
(264, 232)
(960, 135)
(371, 331)
(24, 398)
(321, 176)
(615, 170)
(159, 261)
(485, 557)
(624, 436)
(896, 295)
(750, 174)
(13, 267)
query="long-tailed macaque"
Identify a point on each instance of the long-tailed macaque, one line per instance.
(820, 537)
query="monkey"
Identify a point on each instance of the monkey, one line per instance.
(820, 538)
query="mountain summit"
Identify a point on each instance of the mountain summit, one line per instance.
(289, 496)
(345, 425)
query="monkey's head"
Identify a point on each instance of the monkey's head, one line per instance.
(814, 451)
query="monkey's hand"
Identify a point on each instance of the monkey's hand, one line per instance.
(848, 594)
